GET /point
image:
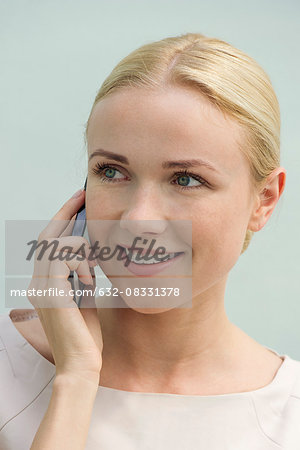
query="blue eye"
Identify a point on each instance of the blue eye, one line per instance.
(106, 173)
(184, 176)
(105, 170)
(111, 170)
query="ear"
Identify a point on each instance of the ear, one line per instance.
(267, 199)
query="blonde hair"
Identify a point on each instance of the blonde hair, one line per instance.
(230, 79)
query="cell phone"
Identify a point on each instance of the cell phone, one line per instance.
(78, 230)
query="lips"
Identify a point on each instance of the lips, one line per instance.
(151, 252)
(151, 269)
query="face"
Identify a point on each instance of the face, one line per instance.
(147, 129)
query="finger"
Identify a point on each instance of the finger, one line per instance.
(61, 219)
(69, 228)
(61, 269)
(89, 312)
(93, 276)
(58, 279)
(65, 248)
(88, 297)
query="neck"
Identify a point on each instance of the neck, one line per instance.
(164, 349)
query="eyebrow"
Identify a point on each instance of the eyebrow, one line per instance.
(165, 165)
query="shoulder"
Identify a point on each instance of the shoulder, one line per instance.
(24, 373)
(22, 338)
(295, 368)
(6, 371)
(27, 325)
(290, 412)
(276, 406)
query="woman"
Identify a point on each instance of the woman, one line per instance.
(175, 377)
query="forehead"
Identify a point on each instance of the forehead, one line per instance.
(170, 121)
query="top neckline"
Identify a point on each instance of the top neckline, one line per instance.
(16, 344)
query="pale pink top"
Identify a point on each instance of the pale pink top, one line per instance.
(264, 419)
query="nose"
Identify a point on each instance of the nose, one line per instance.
(144, 214)
(144, 227)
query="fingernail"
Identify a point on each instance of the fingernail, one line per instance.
(77, 194)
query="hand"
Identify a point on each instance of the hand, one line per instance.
(74, 334)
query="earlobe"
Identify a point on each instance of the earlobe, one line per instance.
(255, 227)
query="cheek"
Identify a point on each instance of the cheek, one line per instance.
(98, 205)
(218, 236)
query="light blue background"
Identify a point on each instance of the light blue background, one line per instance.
(54, 57)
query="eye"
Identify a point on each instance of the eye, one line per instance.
(109, 171)
(184, 176)
(106, 173)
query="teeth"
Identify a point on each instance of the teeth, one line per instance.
(144, 262)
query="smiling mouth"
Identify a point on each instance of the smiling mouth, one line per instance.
(151, 261)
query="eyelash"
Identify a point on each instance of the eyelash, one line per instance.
(99, 169)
